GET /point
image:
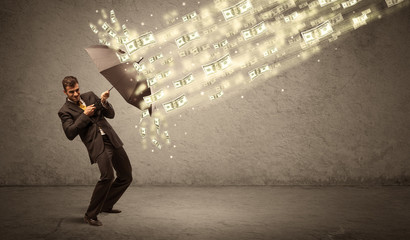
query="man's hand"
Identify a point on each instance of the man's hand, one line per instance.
(104, 96)
(89, 110)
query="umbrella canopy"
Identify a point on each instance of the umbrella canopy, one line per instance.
(129, 83)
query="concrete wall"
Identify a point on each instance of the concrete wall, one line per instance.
(343, 120)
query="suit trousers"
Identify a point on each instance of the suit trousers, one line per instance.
(107, 190)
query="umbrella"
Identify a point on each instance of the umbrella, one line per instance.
(122, 76)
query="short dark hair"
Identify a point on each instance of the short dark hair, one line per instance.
(69, 81)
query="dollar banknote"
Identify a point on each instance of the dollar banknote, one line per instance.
(258, 71)
(181, 41)
(162, 75)
(237, 10)
(270, 51)
(168, 61)
(217, 95)
(349, 3)
(323, 3)
(93, 28)
(123, 57)
(145, 113)
(154, 97)
(139, 67)
(197, 50)
(167, 136)
(143, 132)
(254, 31)
(291, 17)
(125, 30)
(217, 65)
(221, 44)
(156, 143)
(336, 19)
(360, 20)
(135, 44)
(391, 3)
(155, 58)
(122, 39)
(176, 103)
(190, 16)
(278, 10)
(185, 81)
(318, 32)
(112, 16)
(107, 28)
(156, 123)
(104, 42)
(151, 81)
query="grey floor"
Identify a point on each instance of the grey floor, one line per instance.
(282, 212)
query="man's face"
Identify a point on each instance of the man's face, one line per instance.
(73, 93)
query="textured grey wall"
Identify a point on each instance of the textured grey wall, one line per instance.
(343, 120)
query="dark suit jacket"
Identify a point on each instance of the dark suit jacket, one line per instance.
(75, 122)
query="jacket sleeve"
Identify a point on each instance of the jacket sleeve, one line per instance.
(71, 127)
(107, 109)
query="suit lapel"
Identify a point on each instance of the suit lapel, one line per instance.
(73, 106)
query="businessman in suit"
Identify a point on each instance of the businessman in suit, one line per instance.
(84, 115)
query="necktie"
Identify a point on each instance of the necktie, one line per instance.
(81, 105)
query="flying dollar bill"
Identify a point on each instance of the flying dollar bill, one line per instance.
(336, 19)
(154, 97)
(143, 132)
(109, 30)
(254, 31)
(168, 61)
(156, 123)
(278, 10)
(147, 38)
(270, 51)
(318, 32)
(142, 41)
(361, 20)
(156, 143)
(217, 65)
(104, 42)
(155, 58)
(93, 28)
(176, 103)
(323, 3)
(167, 136)
(237, 10)
(218, 95)
(190, 16)
(185, 81)
(125, 30)
(151, 81)
(291, 17)
(391, 3)
(123, 57)
(112, 17)
(144, 114)
(258, 71)
(162, 75)
(221, 44)
(181, 41)
(122, 39)
(139, 67)
(349, 3)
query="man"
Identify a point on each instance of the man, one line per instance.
(85, 115)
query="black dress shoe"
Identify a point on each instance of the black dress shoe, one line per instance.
(111, 210)
(91, 221)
